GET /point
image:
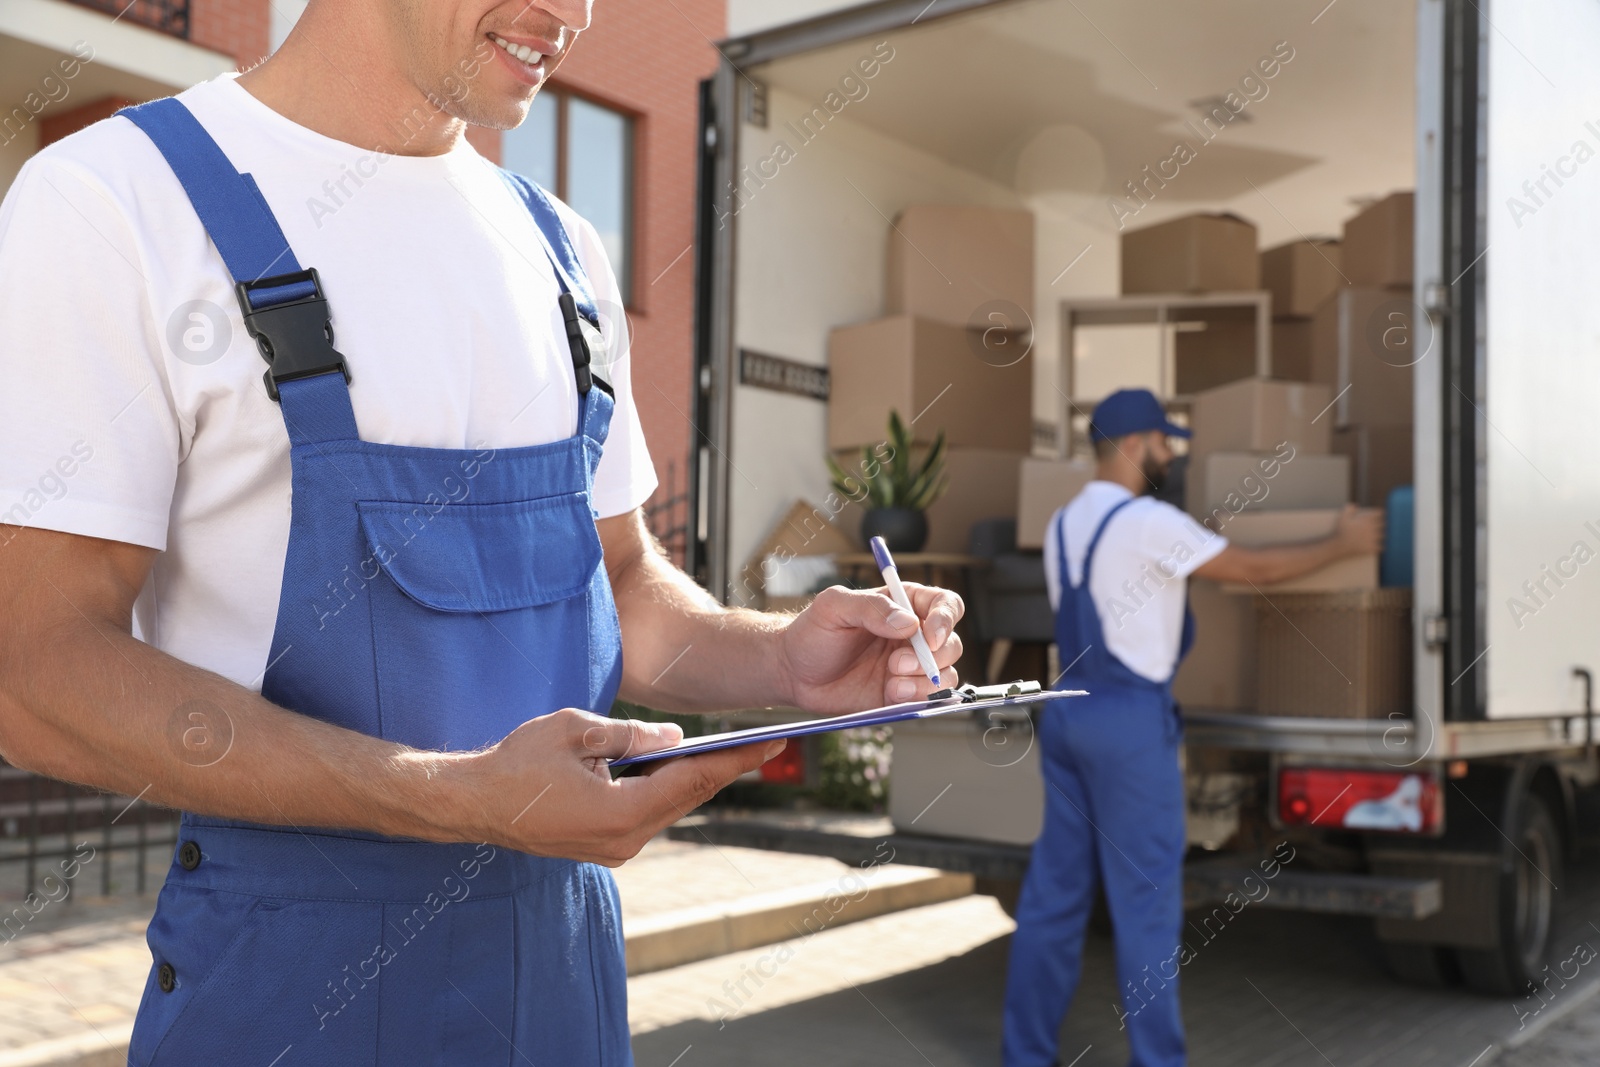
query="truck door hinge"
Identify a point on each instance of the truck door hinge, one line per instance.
(1436, 299)
(755, 102)
(1435, 632)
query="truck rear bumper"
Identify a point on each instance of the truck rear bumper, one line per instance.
(1398, 741)
(1206, 882)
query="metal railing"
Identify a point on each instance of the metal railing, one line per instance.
(58, 839)
(168, 16)
(666, 513)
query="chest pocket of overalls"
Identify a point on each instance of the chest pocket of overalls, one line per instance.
(474, 598)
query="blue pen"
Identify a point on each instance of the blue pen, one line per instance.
(897, 593)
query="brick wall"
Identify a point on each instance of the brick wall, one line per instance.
(239, 28)
(647, 57)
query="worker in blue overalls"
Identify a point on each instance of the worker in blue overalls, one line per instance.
(1117, 562)
(337, 418)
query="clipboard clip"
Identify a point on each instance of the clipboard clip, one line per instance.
(971, 694)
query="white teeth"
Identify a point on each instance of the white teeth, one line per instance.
(520, 51)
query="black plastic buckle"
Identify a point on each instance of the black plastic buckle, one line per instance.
(296, 337)
(578, 342)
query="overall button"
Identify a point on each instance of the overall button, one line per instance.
(189, 856)
(166, 977)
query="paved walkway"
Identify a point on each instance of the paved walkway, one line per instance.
(1275, 989)
(1574, 1041)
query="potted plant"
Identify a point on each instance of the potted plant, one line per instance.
(895, 487)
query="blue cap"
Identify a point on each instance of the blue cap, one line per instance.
(880, 553)
(1129, 411)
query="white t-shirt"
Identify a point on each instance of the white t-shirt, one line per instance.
(1141, 568)
(132, 406)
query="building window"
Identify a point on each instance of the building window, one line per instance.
(583, 153)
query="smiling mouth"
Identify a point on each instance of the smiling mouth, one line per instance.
(523, 54)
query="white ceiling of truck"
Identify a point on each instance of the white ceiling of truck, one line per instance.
(1078, 96)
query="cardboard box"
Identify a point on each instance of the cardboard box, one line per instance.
(1261, 529)
(1220, 671)
(948, 262)
(1291, 349)
(1378, 244)
(1044, 485)
(1194, 254)
(804, 530)
(1259, 415)
(983, 485)
(929, 371)
(1300, 275)
(1228, 483)
(1223, 351)
(1367, 340)
(1380, 460)
(1335, 655)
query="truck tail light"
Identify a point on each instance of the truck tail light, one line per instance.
(1395, 801)
(787, 767)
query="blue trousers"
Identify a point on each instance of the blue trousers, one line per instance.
(1114, 814)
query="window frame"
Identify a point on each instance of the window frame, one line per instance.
(563, 95)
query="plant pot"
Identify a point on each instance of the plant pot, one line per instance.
(902, 529)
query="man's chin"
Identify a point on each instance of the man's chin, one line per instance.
(505, 113)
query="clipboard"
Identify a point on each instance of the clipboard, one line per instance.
(943, 702)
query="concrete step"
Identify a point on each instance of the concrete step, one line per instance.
(107, 1047)
(686, 935)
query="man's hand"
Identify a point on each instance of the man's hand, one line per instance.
(1359, 533)
(684, 652)
(849, 649)
(1361, 530)
(546, 788)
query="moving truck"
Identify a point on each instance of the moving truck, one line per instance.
(1099, 117)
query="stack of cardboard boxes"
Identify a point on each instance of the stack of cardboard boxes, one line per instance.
(1200, 254)
(1300, 275)
(1274, 461)
(1260, 473)
(1366, 337)
(948, 354)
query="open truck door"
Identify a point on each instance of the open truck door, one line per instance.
(1507, 267)
(1507, 493)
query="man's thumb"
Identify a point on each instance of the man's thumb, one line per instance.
(616, 738)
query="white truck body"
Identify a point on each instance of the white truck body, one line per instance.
(1050, 105)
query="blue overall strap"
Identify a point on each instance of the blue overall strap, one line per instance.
(282, 305)
(570, 274)
(1094, 542)
(578, 306)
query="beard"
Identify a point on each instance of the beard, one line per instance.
(1155, 476)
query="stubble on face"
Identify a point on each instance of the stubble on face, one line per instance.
(456, 68)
